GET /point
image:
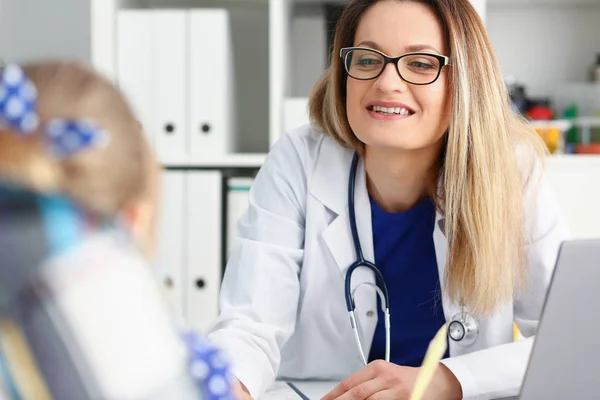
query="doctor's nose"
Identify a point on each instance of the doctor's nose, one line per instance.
(390, 81)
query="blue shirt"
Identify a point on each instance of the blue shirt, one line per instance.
(405, 255)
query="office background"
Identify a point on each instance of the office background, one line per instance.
(216, 82)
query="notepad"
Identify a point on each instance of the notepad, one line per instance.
(299, 390)
(280, 391)
(435, 352)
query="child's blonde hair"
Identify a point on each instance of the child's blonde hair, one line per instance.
(104, 180)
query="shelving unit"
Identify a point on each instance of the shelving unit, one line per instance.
(195, 208)
(259, 79)
(541, 2)
(194, 224)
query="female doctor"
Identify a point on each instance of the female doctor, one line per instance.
(449, 201)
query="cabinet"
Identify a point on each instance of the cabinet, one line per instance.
(176, 68)
(271, 42)
(189, 246)
(274, 38)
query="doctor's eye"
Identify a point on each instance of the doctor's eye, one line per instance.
(420, 64)
(363, 60)
(368, 61)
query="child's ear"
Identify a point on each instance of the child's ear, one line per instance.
(139, 217)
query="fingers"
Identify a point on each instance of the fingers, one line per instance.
(365, 390)
(371, 371)
(364, 375)
(386, 395)
(240, 392)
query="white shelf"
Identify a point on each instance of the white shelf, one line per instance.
(256, 160)
(230, 161)
(562, 124)
(542, 2)
(320, 1)
(557, 160)
(571, 177)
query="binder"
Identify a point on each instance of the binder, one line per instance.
(169, 80)
(170, 242)
(210, 98)
(238, 191)
(134, 64)
(203, 247)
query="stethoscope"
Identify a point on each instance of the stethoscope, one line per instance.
(463, 328)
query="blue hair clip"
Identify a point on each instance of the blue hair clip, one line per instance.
(18, 100)
(67, 137)
(18, 110)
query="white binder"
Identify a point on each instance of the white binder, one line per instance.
(238, 190)
(203, 247)
(170, 80)
(211, 106)
(170, 239)
(134, 63)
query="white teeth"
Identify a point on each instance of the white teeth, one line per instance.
(391, 110)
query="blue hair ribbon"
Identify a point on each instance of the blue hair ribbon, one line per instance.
(18, 111)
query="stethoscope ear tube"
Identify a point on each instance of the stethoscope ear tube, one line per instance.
(347, 290)
(357, 337)
(463, 328)
(360, 259)
(361, 262)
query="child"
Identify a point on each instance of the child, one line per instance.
(82, 317)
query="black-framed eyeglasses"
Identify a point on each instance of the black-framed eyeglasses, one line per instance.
(415, 68)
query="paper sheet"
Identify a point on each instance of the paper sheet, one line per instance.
(313, 390)
(435, 352)
(280, 391)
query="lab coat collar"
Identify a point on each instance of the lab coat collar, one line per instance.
(330, 182)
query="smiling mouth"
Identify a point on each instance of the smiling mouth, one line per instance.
(391, 110)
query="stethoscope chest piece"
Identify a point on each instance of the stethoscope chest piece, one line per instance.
(463, 329)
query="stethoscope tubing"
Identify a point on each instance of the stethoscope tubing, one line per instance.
(468, 326)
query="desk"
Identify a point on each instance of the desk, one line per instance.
(313, 390)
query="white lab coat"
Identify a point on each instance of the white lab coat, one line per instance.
(283, 310)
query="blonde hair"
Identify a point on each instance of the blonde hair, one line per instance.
(480, 190)
(103, 180)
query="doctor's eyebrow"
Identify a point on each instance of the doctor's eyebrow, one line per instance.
(409, 49)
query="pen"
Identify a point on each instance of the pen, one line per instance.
(435, 352)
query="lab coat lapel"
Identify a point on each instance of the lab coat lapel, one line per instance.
(338, 236)
(441, 253)
(330, 186)
(439, 243)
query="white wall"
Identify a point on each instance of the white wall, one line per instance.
(308, 56)
(480, 6)
(31, 29)
(544, 44)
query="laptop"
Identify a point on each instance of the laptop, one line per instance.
(564, 362)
